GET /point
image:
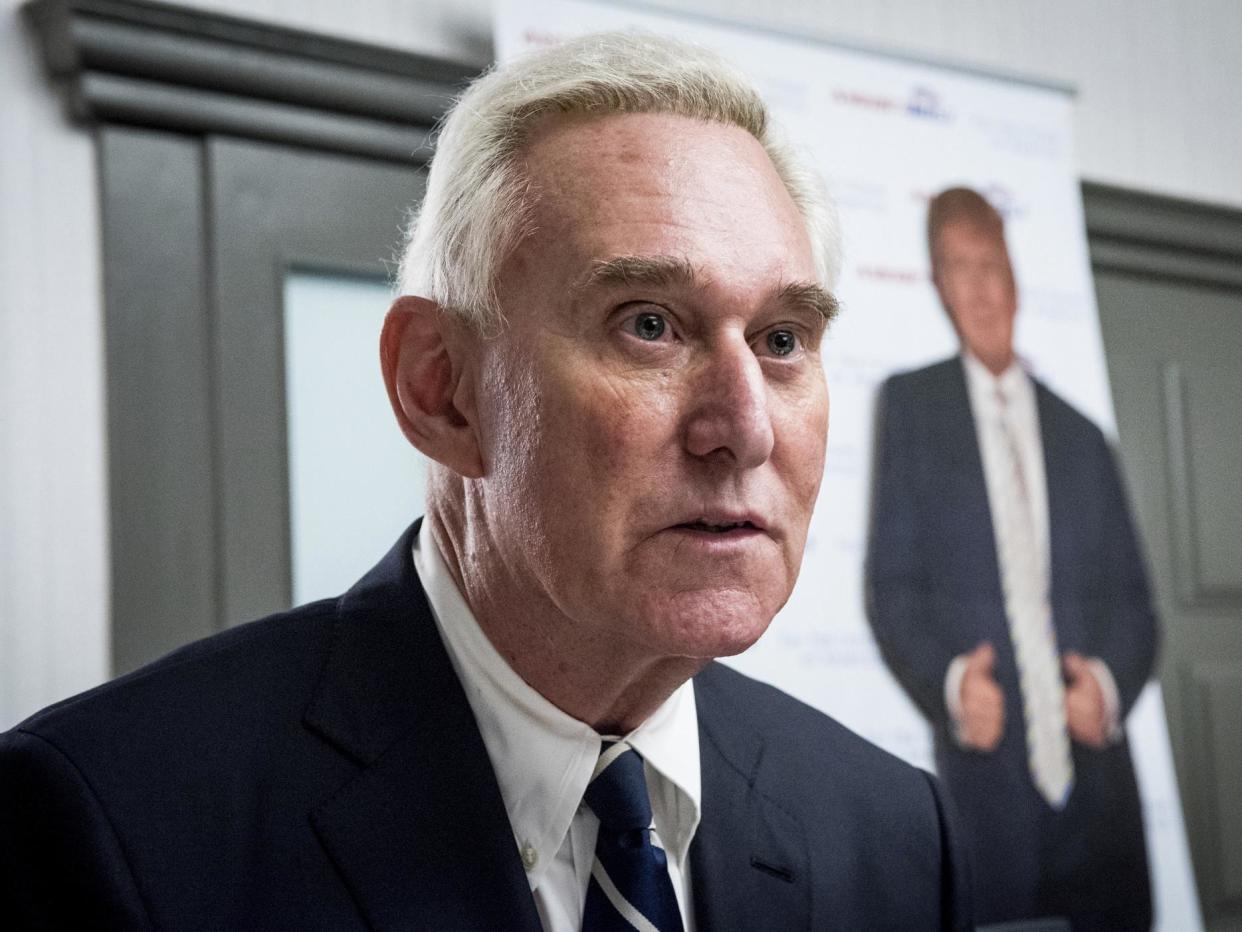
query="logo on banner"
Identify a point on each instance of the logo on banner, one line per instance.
(1005, 200)
(922, 102)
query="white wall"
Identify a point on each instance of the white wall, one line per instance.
(53, 512)
(1160, 90)
(1159, 82)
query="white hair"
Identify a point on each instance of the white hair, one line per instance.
(477, 208)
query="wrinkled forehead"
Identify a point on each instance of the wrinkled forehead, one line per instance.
(579, 154)
(609, 184)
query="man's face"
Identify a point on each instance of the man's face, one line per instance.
(975, 281)
(654, 415)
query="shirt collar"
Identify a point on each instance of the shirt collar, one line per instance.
(543, 758)
(669, 742)
(1014, 382)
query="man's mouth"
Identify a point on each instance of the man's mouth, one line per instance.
(708, 527)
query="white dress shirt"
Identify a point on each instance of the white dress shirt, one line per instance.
(543, 760)
(1022, 416)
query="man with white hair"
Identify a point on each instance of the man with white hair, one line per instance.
(608, 346)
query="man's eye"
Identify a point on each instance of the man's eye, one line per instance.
(782, 342)
(649, 326)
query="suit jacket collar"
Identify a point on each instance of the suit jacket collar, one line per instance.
(749, 862)
(414, 832)
(1061, 467)
(966, 493)
(420, 833)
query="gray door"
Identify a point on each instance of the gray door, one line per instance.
(254, 181)
(1170, 297)
(294, 232)
(246, 282)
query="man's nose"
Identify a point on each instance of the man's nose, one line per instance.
(729, 417)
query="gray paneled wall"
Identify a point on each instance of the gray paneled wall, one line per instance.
(1170, 298)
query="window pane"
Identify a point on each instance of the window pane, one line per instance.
(354, 480)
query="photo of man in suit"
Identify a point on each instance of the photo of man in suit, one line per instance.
(1007, 592)
(608, 343)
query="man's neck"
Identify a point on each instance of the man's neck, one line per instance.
(997, 364)
(606, 683)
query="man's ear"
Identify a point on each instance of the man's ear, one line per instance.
(424, 372)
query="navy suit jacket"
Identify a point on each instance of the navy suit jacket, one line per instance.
(935, 592)
(322, 769)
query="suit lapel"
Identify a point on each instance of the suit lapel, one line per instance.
(966, 502)
(1060, 482)
(748, 863)
(420, 833)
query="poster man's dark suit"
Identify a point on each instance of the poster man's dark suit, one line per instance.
(322, 769)
(935, 592)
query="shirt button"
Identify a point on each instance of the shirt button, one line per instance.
(530, 856)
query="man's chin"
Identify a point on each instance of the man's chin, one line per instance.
(709, 624)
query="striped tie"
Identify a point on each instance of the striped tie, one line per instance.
(1024, 578)
(630, 887)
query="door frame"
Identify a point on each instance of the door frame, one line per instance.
(1174, 241)
(163, 88)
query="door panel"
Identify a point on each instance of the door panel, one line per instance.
(277, 212)
(1173, 348)
(355, 482)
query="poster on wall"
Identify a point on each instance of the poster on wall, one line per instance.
(888, 133)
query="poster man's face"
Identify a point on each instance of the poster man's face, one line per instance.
(975, 281)
(655, 413)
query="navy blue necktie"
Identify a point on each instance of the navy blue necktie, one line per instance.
(630, 887)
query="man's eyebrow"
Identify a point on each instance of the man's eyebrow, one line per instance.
(653, 271)
(812, 297)
(669, 271)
